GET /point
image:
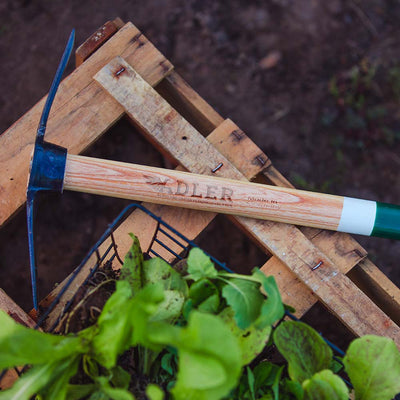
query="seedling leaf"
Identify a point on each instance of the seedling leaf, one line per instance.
(204, 296)
(245, 299)
(325, 385)
(303, 348)
(373, 365)
(20, 345)
(156, 270)
(251, 340)
(200, 265)
(111, 392)
(209, 357)
(153, 392)
(114, 327)
(170, 308)
(38, 377)
(272, 309)
(132, 269)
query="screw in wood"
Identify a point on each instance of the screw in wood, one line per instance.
(217, 167)
(317, 266)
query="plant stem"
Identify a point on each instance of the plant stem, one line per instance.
(238, 276)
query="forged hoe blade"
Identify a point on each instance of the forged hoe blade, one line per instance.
(47, 165)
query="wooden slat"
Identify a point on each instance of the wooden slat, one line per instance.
(81, 113)
(14, 310)
(153, 115)
(378, 287)
(333, 244)
(8, 379)
(191, 106)
(96, 40)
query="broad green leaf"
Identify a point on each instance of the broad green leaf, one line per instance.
(111, 392)
(303, 348)
(373, 365)
(170, 308)
(153, 392)
(124, 321)
(210, 305)
(293, 388)
(144, 307)
(275, 385)
(204, 295)
(272, 309)
(120, 378)
(209, 357)
(251, 340)
(20, 345)
(36, 378)
(132, 270)
(114, 326)
(200, 265)
(99, 395)
(251, 381)
(210, 372)
(336, 366)
(58, 389)
(325, 385)
(265, 374)
(187, 308)
(90, 366)
(267, 396)
(78, 392)
(167, 363)
(156, 270)
(245, 299)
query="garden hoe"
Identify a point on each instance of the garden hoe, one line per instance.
(52, 169)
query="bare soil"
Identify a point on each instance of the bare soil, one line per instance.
(316, 84)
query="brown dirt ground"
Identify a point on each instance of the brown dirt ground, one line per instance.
(315, 84)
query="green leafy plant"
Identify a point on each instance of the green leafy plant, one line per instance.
(198, 334)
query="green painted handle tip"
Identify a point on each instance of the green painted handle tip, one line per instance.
(387, 221)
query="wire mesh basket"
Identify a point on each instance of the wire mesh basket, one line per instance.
(163, 236)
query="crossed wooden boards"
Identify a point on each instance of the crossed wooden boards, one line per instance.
(93, 98)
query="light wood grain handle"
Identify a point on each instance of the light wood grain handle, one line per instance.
(210, 193)
(202, 192)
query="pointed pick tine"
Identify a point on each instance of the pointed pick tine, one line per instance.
(47, 166)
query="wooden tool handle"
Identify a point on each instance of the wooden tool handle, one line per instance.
(209, 193)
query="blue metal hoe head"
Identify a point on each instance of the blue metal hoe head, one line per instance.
(47, 166)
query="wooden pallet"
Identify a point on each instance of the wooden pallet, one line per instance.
(185, 128)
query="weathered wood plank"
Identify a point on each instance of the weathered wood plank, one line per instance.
(378, 287)
(340, 295)
(190, 105)
(14, 310)
(8, 379)
(81, 113)
(286, 242)
(96, 40)
(341, 249)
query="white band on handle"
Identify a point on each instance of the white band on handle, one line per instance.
(358, 216)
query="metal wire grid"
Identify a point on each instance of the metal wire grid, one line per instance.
(163, 231)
